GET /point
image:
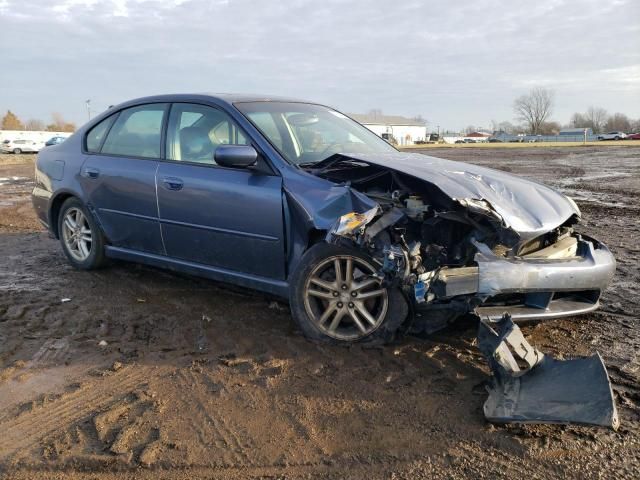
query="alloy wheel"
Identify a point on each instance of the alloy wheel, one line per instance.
(77, 234)
(342, 298)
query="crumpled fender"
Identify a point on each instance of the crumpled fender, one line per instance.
(319, 208)
(316, 205)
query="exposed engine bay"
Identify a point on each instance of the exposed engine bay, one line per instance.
(426, 243)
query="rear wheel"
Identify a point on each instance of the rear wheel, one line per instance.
(336, 299)
(80, 236)
(17, 151)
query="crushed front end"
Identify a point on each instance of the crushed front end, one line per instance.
(453, 256)
(507, 250)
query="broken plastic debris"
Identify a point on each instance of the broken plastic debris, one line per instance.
(351, 222)
(547, 390)
(65, 300)
(103, 343)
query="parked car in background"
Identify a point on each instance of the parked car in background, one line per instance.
(54, 141)
(494, 140)
(633, 136)
(20, 146)
(300, 201)
(612, 136)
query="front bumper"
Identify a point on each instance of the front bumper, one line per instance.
(533, 287)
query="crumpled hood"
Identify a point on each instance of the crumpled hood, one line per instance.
(527, 207)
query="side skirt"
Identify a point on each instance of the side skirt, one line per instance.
(267, 285)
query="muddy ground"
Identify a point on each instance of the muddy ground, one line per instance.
(134, 372)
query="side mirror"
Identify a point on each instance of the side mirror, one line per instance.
(236, 156)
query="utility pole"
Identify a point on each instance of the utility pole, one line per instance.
(88, 102)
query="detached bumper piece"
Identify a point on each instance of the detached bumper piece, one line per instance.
(547, 390)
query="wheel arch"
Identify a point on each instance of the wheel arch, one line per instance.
(55, 205)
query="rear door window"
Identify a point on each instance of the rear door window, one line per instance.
(137, 132)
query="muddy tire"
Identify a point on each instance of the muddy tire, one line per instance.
(333, 299)
(81, 238)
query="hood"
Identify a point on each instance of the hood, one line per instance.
(527, 207)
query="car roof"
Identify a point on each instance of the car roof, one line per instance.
(229, 98)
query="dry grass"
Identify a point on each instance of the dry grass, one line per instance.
(613, 143)
(11, 159)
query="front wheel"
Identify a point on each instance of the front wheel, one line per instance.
(335, 298)
(17, 151)
(80, 236)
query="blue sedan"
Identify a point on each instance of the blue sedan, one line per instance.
(298, 200)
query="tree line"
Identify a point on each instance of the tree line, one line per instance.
(10, 121)
(535, 108)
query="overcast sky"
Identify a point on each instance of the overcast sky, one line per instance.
(454, 63)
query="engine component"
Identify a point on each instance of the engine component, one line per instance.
(416, 208)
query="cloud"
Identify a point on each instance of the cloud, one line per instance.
(453, 63)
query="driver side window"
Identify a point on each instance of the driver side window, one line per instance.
(195, 131)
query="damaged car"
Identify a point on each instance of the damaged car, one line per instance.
(298, 200)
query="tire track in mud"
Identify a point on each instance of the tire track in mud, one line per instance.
(27, 429)
(223, 435)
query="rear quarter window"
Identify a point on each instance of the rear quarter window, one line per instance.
(96, 135)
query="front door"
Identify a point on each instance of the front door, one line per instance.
(222, 217)
(118, 177)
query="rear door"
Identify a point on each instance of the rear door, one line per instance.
(221, 217)
(118, 176)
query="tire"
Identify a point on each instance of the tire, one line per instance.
(616, 138)
(346, 299)
(17, 151)
(92, 255)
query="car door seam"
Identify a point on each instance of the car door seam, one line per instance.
(164, 247)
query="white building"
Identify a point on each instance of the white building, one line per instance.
(34, 136)
(394, 128)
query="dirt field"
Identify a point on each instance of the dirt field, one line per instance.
(131, 372)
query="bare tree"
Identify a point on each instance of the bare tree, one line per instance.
(534, 108)
(59, 124)
(618, 122)
(470, 129)
(34, 125)
(550, 128)
(596, 118)
(578, 120)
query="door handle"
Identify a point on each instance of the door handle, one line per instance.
(91, 172)
(173, 183)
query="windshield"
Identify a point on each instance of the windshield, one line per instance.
(306, 134)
